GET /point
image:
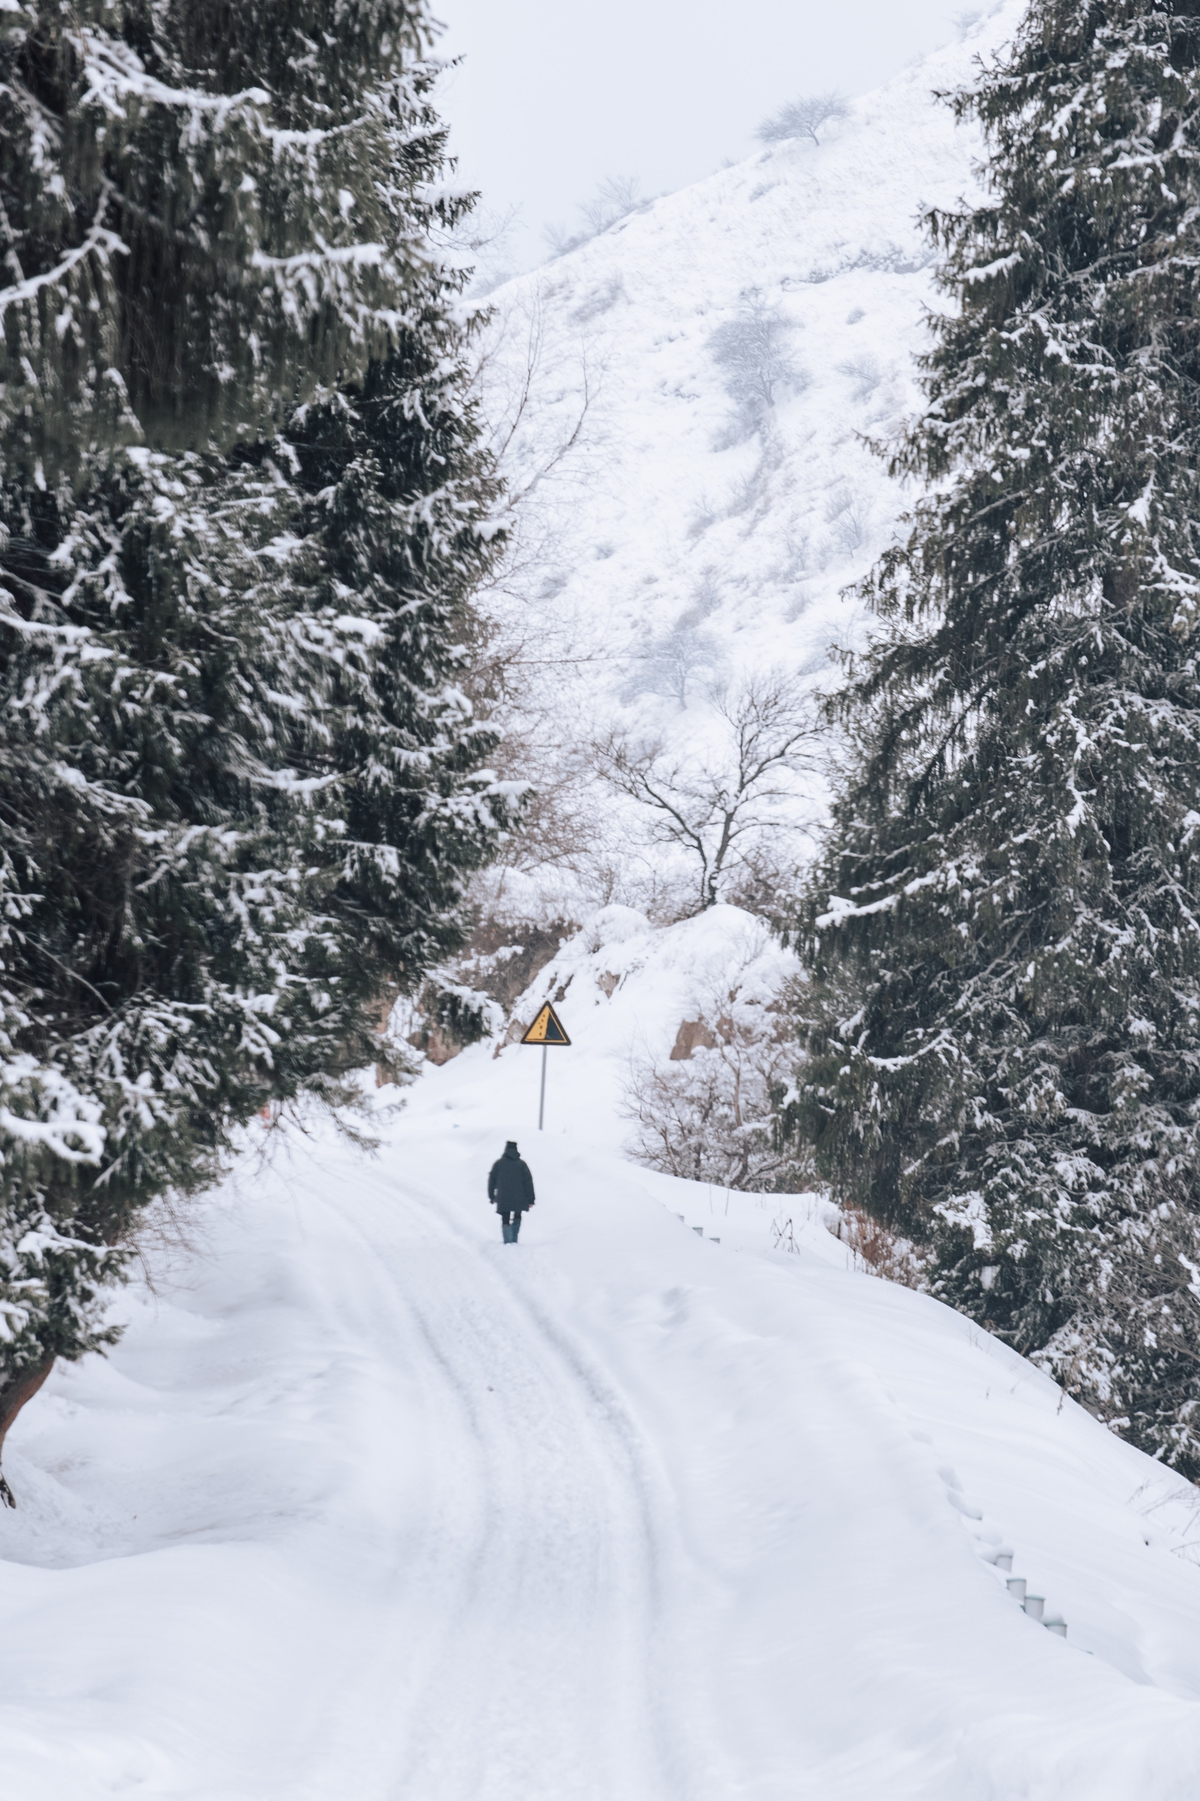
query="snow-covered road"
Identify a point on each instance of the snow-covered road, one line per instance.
(476, 1589)
(370, 1505)
(541, 1589)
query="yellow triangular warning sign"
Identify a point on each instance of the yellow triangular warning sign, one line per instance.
(547, 1028)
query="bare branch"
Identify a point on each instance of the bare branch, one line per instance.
(802, 118)
(715, 809)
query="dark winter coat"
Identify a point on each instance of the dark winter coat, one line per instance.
(510, 1185)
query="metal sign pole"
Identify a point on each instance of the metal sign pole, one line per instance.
(547, 1029)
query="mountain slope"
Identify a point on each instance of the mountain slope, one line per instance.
(655, 520)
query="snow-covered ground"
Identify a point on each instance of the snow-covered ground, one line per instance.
(368, 1504)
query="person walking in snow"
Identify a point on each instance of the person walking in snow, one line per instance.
(510, 1190)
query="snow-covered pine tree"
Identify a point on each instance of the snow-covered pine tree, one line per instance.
(205, 214)
(1003, 1027)
(393, 495)
(242, 790)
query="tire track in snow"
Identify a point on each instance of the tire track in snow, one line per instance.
(560, 1605)
(549, 1659)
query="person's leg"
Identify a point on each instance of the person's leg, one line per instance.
(516, 1226)
(506, 1225)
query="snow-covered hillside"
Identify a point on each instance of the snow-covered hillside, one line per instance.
(671, 510)
(369, 1504)
(684, 405)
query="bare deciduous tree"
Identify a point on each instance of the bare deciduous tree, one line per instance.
(802, 118)
(614, 199)
(718, 808)
(670, 664)
(532, 384)
(537, 388)
(484, 236)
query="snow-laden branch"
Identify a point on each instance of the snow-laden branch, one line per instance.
(115, 72)
(358, 256)
(99, 238)
(64, 1121)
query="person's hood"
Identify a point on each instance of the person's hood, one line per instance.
(510, 1149)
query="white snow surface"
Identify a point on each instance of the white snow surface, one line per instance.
(367, 1504)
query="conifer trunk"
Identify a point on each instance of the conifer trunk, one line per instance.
(13, 1397)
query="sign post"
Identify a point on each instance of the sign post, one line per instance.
(547, 1029)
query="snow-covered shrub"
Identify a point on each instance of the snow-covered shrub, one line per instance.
(709, 1113)
(802, 118)
(752, 351)
(671, 664)
(600, 301)
(484, 237)
(849, 519)
(614, 200)
(865, 372)
(879, 1250)
(750, 494)
(706, 595)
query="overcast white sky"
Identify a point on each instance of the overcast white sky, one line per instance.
(554, 95)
